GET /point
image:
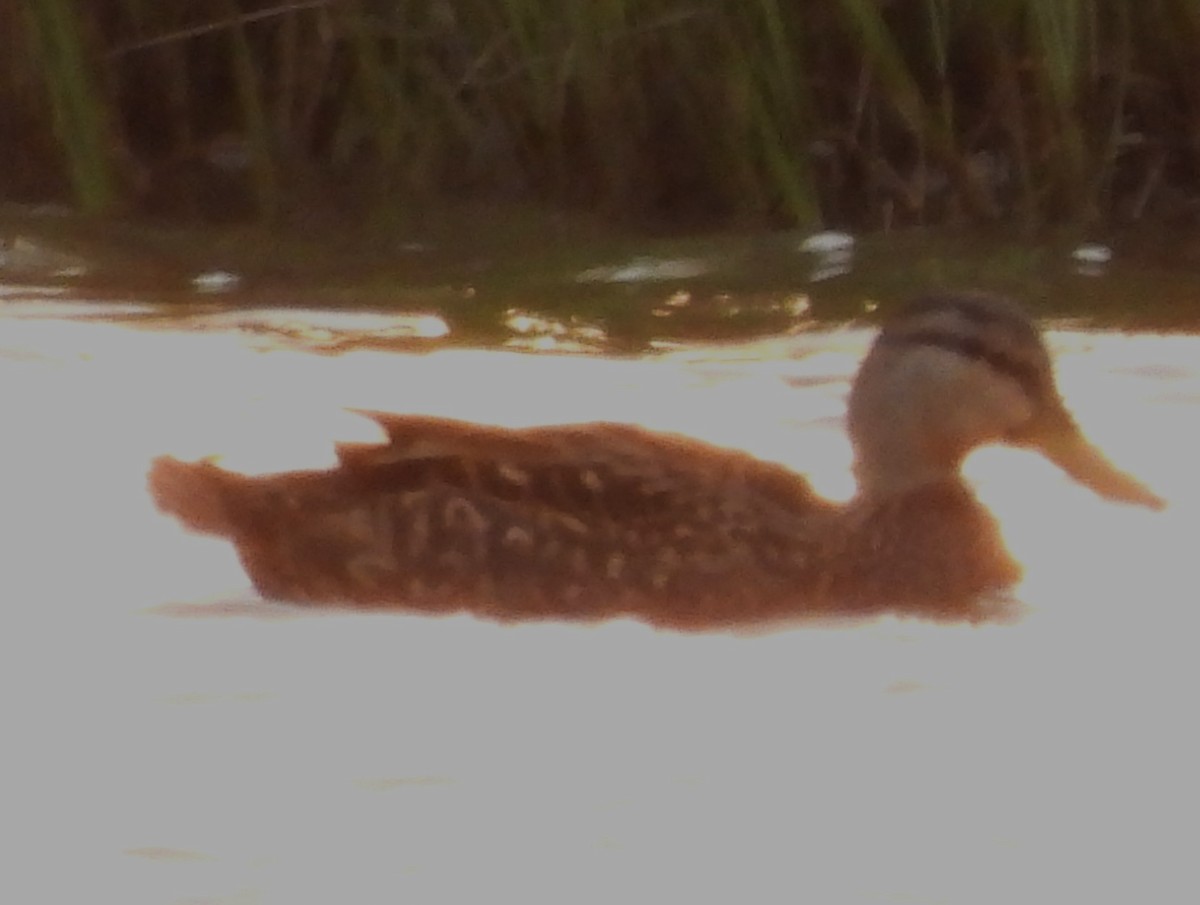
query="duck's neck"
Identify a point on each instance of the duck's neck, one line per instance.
(893, 472)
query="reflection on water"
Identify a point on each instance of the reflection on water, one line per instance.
(171, 739)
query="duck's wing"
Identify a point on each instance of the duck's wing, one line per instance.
(578, 520)
(598, 470)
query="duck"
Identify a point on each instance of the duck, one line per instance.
(604, 520)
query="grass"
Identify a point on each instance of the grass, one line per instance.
(670, 113)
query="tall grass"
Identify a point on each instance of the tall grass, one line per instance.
(849, 112)
(80, 116)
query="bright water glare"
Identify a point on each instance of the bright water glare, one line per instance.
(169, 738)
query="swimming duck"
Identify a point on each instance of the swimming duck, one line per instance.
(602, 520)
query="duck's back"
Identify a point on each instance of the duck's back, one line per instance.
(573, 521)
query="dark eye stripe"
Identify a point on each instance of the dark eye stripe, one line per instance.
(1027, 375)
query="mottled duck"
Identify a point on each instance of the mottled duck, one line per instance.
(603, 520)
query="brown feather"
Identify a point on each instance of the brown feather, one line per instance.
(586, 521)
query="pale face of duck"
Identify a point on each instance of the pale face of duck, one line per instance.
(951, 373)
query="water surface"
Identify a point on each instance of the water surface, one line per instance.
(171, 738)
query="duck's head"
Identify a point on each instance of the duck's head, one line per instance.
(953, 372)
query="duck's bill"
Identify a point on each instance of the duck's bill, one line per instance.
(1070, 451)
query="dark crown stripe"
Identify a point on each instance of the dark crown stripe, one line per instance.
(979, 309)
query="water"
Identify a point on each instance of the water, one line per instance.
(172, 739)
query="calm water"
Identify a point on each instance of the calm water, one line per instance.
(171, 739)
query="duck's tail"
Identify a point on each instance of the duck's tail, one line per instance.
(199, 494)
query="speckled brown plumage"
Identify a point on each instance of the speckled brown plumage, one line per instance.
(602, 520)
